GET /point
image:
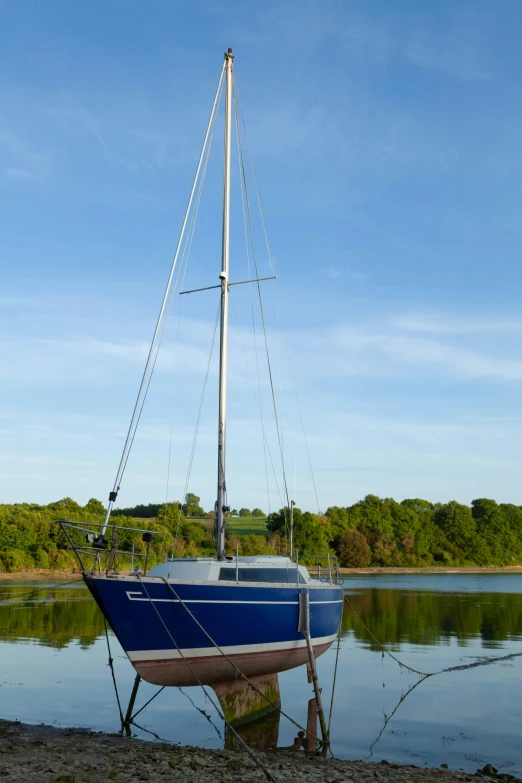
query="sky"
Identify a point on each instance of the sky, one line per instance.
(386, 143)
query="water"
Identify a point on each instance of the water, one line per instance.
(53, 669)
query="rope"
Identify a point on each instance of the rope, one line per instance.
(231, 662)
(335, 675)
(385, 649)
(6, 597)
(205, 714)
(112, 671)
(387, 718)
(249, 750)
(131, 720)
(425, 675)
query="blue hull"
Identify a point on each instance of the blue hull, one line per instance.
(256, 626)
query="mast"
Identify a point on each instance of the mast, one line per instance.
(221, 508)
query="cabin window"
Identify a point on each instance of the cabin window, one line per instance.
(286, 575)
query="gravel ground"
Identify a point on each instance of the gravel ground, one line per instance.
(42, 754)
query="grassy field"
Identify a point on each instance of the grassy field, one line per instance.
(244, 526)
(238, 526)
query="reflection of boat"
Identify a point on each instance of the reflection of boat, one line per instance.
(251, 719)
(196, 620)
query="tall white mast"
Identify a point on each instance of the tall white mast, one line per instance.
(221, 488)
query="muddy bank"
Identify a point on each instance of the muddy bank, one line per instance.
(43, 754)
(41, 573)
(434, 570)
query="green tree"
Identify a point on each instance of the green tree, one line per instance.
(310, 530)
(245, 512)
(353, 550)
(457, 523)
(256, 512)
(95, 507)
(191, 507)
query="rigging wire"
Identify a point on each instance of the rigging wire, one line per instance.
(198, 421)
(236, 95)
(254, 256)
(144, 385)
(260, 401)
(265, 441)
(184, 267)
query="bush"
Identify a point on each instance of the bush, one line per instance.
(63, 561)
(16, 560)
(353, 550)
(41, 559)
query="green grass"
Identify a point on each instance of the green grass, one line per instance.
(238, 526)
(244, 526)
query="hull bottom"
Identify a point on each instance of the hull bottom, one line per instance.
(215, 668)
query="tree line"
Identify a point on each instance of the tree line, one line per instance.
(372, 532)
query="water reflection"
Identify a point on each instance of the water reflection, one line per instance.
(58, 617)
(430, 618)
(55, 617)
(53, 668)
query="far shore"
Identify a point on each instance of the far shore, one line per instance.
(70, 574)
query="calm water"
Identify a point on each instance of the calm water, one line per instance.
(53, 669)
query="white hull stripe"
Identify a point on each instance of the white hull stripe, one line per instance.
(240, 649)
(132, 596)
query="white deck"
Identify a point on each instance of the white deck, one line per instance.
(204, 569)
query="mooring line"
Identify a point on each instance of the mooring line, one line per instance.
(202, 711)
(387, 718)
(231, 662)
(147, 703)
(425, 675)
(6, 597)
(383, 648)
(161, 739)
(112, 671)
(249, 750)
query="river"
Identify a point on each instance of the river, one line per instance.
(53, 669)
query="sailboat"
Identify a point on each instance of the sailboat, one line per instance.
(192, 621)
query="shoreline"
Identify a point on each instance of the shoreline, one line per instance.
(50, 574)
(432, 570)
(41, 754)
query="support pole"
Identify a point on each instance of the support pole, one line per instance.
(304, 627)
(128, 716)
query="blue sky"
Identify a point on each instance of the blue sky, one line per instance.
(386, 138)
